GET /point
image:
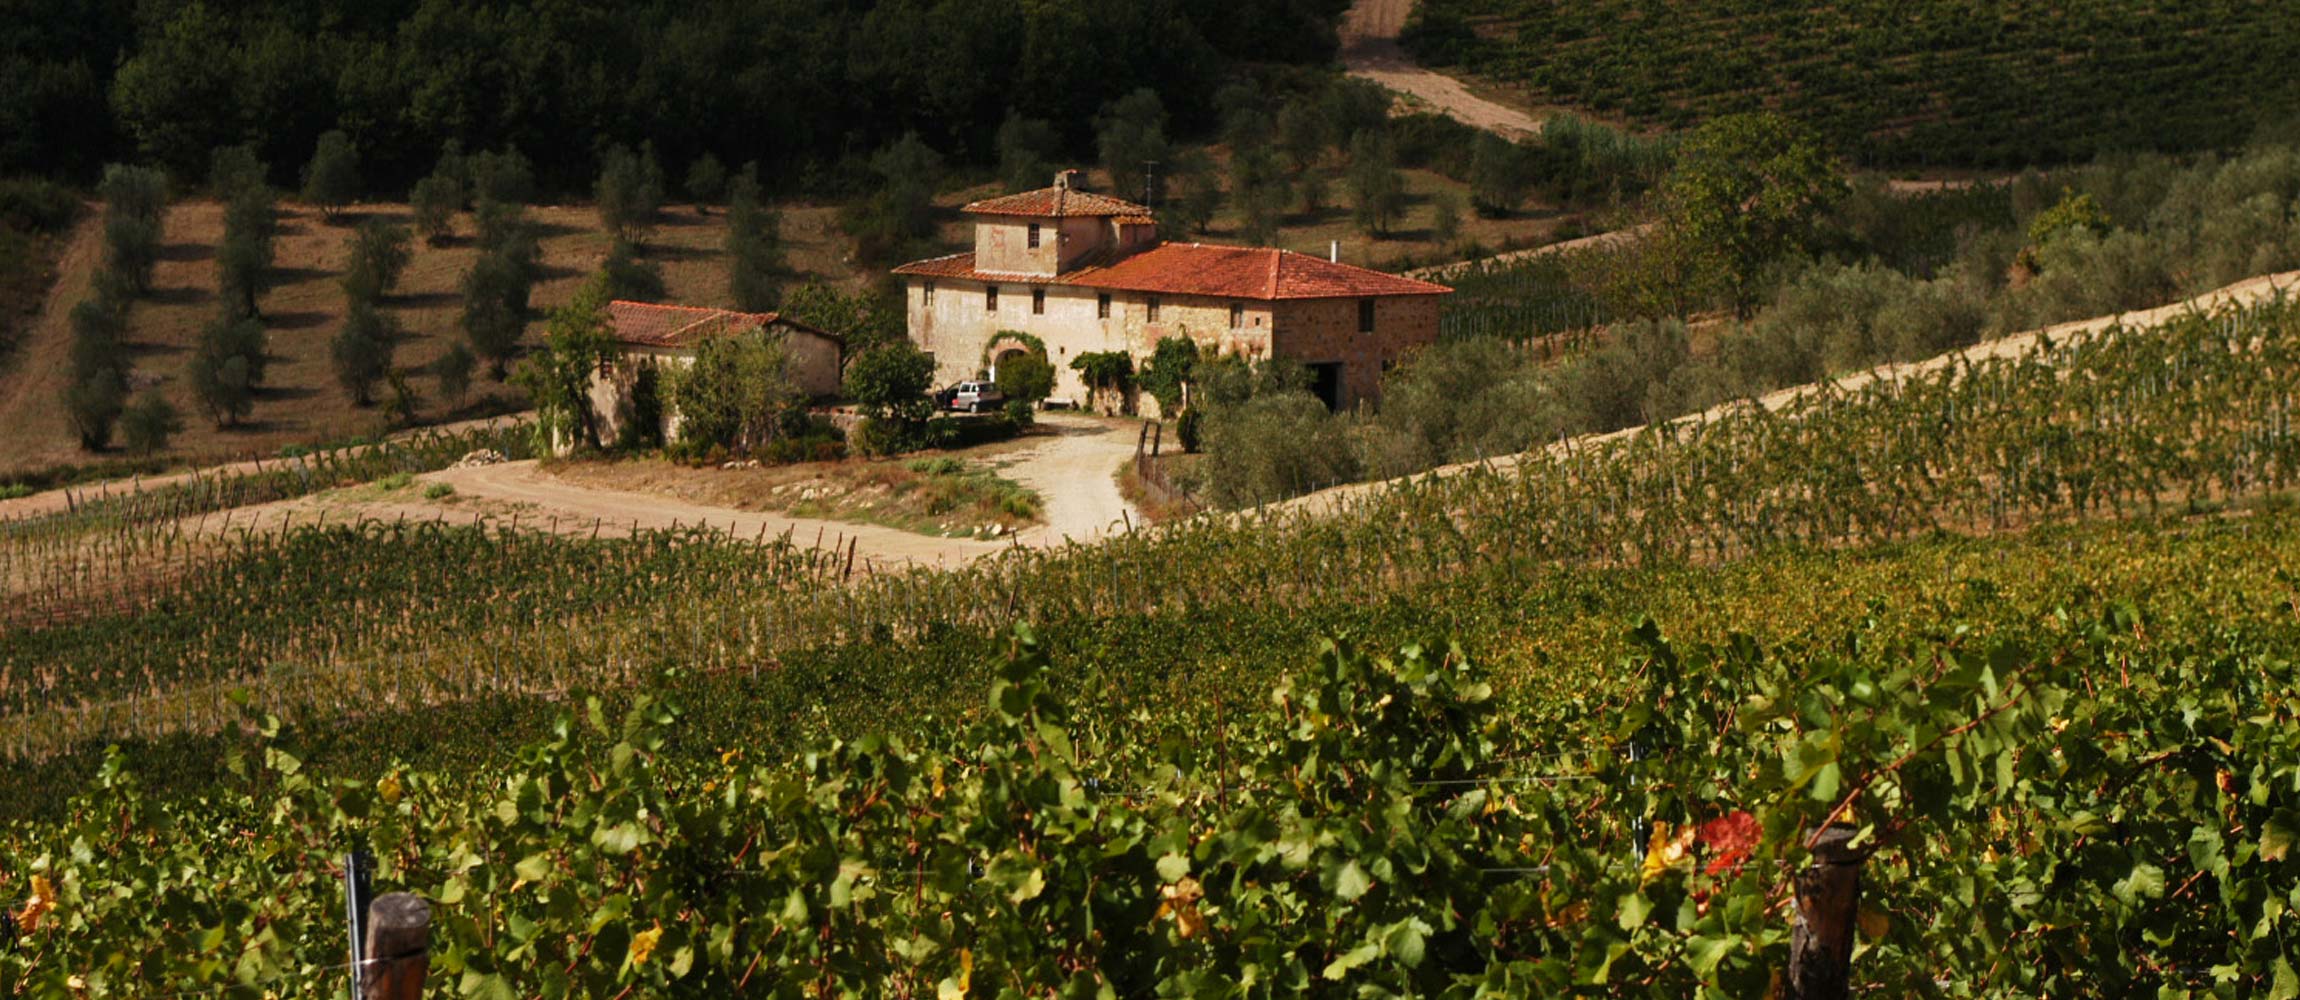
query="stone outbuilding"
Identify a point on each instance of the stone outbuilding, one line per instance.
(658, 338)
(1074, 272)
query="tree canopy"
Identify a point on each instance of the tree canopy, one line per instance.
(789, 83)
(1747, 189)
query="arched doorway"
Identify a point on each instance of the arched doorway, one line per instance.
(1005, 355)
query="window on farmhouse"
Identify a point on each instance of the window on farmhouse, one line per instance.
(1237, 315)
(1365, 315)
(1150, 306)
(1102, 306)
(926, 293)
(1034, 236)
(1038, 302)
(990, 298)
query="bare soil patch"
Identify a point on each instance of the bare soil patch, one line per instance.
(936, 495)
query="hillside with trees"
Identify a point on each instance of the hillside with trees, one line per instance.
(806, 88)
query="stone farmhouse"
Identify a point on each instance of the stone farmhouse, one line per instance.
(656, 338)
(1080, 272)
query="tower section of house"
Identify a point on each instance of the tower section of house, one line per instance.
(1075, 272)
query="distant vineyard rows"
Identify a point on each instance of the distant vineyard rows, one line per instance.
(1904, 83)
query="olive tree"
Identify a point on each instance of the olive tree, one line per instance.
(737, 392)
(1747, 190)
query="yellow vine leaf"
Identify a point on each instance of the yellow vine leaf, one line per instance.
(1874, 923)
(1664, 851)
(1181, 903)
(43, 900)
(643, 943)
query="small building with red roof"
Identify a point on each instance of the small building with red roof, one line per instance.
(1077, 272)
(655, 338)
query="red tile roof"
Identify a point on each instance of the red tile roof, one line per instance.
(1056, 202)
(650, 324)
(1202, 269)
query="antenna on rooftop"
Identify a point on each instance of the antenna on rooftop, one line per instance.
(1150, 183)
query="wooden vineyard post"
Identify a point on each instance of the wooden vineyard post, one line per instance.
(1828, 905)
(398, 947)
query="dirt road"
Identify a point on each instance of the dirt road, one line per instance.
(1075, 476)
(1370, 51)
(32, 382)
(52, 501)
(2248, 291)
(1073, 471)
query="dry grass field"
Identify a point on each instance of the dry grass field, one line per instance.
(301, 401)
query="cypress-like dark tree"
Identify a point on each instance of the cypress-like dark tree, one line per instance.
(1501, 174)
(1026, 151)
(434, 202)
(754, 245)
(379, 253)
(149, 422)
(1258, 187)
(135, 202)
(495, 294)
(706, 182)
(99, 382)
(244, 258)
(1377, 192)
(628, 277)
(331, 180)
(1130, 135)
(363, 349)
(226, 368)
(503, 177)
(232, 169)
(452, 371)
(901, 213)
(629, 192)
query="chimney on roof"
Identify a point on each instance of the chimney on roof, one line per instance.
(1334, 252)
(1066, 180)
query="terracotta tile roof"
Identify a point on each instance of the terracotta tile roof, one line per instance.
(1056, 202)
(650, 324)
(1202, 269)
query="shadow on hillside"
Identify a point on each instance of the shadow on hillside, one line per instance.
(394, 216)
(150, 349)
(268, 425)
(670, 253)
(300, 320)
(286, 393)
(546, 229)
(282, 277)
(423, 300)
(181, 295)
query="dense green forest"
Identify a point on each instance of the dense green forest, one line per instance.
(801, 86)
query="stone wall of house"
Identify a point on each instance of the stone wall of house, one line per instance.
(1325, 331)
(1002, 243)
(957, 328)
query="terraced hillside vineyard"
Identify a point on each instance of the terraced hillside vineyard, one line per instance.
(1932, 83)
